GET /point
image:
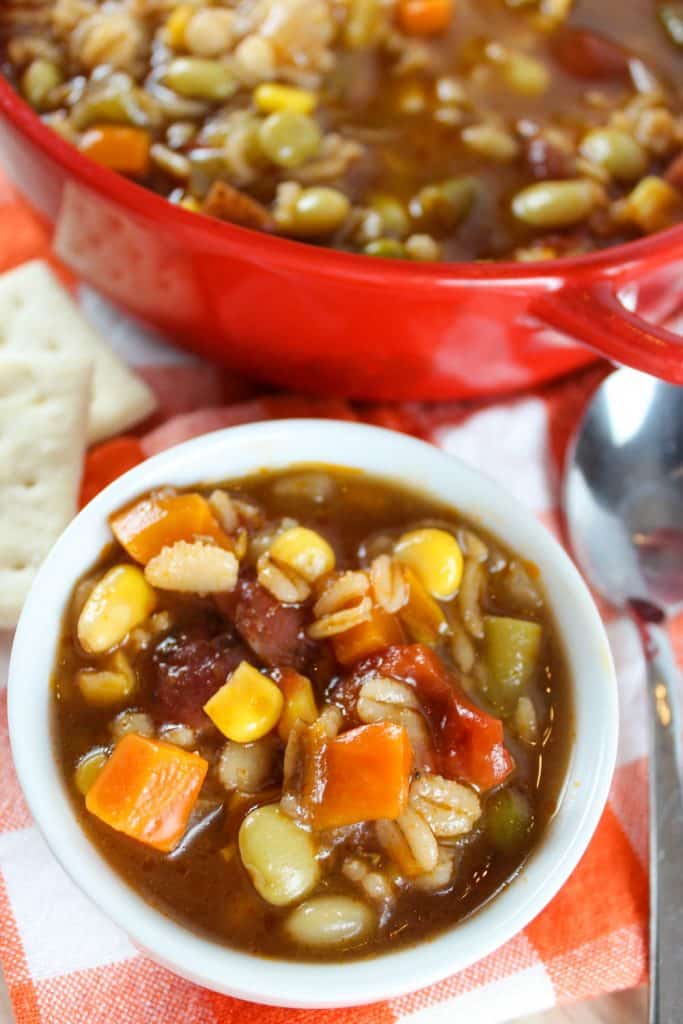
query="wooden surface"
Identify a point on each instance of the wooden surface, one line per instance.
(625, 1008)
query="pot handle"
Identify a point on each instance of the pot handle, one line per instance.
(594, 315)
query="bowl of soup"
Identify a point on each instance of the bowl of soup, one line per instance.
(318, 715)
(367, 198)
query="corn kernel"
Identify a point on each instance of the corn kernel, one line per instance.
(299, 702)
(271, 98)
(191, 204)
(176, 23)
(421, 615)
(112, 685)
(119, 602)
(653, 204)
(304, 551)
(247, 707)
(435, 558)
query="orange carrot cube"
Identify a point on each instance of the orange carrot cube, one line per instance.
(367, 773)
(153, 523)
(425, 17)
(147, 790)
(381, 630)
(121, 149)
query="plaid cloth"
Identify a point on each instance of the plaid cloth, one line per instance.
(64, 963)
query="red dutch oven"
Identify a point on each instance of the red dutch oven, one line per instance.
(336, 323)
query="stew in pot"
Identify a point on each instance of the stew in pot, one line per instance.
(416, 129)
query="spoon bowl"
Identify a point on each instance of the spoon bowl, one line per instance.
(624, 491)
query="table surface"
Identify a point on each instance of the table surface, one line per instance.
(625, 1008)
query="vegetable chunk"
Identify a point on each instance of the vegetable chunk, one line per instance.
(381, 630)
(121, 149)
(146, 527)
(469, 743)
(147, 790)
(367, 771)
(512, 649)
(299, 701)
(247, 707)
(118, 602)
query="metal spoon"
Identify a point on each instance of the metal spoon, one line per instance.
(623, 501)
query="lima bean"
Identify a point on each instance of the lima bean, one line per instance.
(329, 921)
(279, 856)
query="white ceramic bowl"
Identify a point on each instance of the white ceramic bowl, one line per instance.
(234, 453)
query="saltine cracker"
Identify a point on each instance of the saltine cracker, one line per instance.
(44, 402)
(37, 314)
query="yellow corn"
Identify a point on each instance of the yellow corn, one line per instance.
(653, 204)
(119, 602)
(89, 767)
(272, 98)
(191, 204)
(304, 551)
(112, 685)
(299, 703)
(421, 615)
(435, 558)
(176, 23)
(247, 707)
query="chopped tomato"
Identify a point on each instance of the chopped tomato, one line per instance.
(469, 742)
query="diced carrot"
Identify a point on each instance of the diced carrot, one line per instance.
(146, 527)
(424, 17)
(379, 631)
(367, 771)
(121, 149)
(147, 790)
(106, 462)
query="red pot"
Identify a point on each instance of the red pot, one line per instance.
(340, 324)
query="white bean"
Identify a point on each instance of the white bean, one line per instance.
(330, 921)
(278, 855)
(247, 767)
(131, 721)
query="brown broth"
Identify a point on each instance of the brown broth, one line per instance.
(195, 885)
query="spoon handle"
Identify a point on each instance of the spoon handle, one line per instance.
(666, 831)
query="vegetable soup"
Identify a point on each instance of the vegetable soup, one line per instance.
(310, 713)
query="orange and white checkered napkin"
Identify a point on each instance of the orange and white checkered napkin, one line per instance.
(64, 963)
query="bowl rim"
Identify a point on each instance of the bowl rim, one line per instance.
(414, 463)
(304, 256)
